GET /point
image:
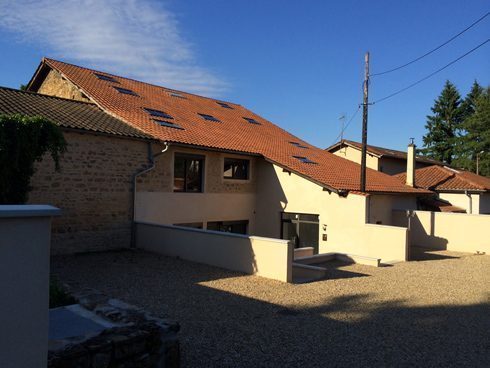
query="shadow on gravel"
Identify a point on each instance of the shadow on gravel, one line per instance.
(223, 329)
(427, 254)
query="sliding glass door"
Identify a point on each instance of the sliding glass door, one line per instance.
(301, 228)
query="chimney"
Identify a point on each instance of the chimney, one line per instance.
(411, 163)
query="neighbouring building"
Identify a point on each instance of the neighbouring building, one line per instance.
(460, 191)
(381, 159)
(207, 163)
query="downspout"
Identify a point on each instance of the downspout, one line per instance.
(470, 202)
(151, 161)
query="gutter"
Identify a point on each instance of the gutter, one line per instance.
(151, 161)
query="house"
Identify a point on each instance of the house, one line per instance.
(215, 165)
(93, 187)
(461, 189)
(381, 159)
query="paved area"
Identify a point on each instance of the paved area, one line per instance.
(432, 313)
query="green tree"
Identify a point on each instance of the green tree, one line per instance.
(443, 126)
(23, 141)
(477, 137)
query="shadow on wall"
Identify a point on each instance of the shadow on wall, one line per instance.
(430, 240)
(223, 328)
(270, 201)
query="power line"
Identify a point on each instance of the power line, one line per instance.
(433, 50)
(431, 74)
(347, 125)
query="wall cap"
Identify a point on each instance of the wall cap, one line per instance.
(28, 210)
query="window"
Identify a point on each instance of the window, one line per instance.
(302, 229)
(225, 105)
(106, 78)
(178, 95)
(297, 144)
(188, 173)
(157, 113)
(305, 160)
(168, 124)
(125, 91)
(252, 121)
(236, 169)
(237, 227)
(209, 117)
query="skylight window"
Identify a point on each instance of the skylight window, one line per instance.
(168, 124)
(125, 91)
(304, 160)
(209, 117)
(106, 78)
(223, 104)
(297, 144)
(178, 95)
(252, 121)
(157, 113)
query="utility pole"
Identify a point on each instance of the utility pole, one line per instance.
(365, 102)
(478, 162)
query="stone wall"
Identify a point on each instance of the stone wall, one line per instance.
(56, 85)
(161, 178)
(93, 190)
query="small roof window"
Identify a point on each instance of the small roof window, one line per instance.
(251, 121)
(297, 144)
(106, 78)
(178, 95)
(225, 105)
(304, 160)
(209, 117)
(168, 124)
(125, 91)
(157, 113)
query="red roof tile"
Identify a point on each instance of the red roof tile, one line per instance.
(443, 178)
(233, 132)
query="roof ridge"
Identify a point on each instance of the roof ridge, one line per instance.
(46, 59)
(47, 96)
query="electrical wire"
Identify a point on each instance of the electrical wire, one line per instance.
(431, 74)
(433, 50)
(347, 125)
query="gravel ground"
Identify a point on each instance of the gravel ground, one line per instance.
(432, 312)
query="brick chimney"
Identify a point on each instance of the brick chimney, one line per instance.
(411, 164)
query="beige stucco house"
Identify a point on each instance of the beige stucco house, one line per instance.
(207, 164)
(386, 160)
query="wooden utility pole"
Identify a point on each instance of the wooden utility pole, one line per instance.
(365, 102)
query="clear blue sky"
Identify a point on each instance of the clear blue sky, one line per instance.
(298, 64)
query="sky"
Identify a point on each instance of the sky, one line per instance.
(297, 64)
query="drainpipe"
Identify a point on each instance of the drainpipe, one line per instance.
(470, 202)
(151, 161)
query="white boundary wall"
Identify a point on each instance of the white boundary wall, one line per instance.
(450, 231)
(25, 232)
(267, 257)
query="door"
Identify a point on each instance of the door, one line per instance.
(301, 228)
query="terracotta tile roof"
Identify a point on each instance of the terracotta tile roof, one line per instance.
(233, 132)
(443, 178)
(66, 113)
(382, 152)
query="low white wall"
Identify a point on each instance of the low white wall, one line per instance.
(267, 257)
(24, 284)
(388, 243)
(447, 231)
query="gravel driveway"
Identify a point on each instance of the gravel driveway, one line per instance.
(434, 312)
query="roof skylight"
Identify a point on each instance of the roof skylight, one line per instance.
(297, 144)
(209, 117)
(178, 95)
(304, 160)
(168, 124)
(223, 104)
(106, 78)
(157, 113)
(125, 91)
(251, 121)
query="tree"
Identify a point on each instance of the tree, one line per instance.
(444, 125)
(23, 141)
(477, 138)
